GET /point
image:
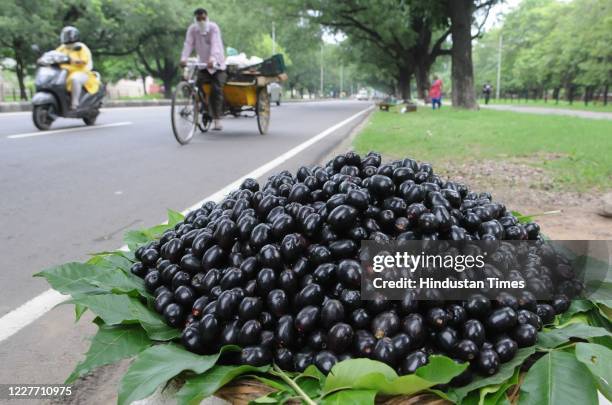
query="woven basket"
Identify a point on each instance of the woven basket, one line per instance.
(243, 391)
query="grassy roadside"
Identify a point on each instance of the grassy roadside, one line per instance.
(575, 151)
(576, 105)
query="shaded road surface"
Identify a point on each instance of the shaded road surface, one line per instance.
(595, 115)
(77, 190)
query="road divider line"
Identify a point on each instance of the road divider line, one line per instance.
(72, 129)
(33, 309)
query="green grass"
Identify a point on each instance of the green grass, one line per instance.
(576, 105)
(583, 146)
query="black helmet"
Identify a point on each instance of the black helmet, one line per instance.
(69, 35)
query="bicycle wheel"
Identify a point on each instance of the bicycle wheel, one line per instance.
(263, 110)
(184, 112)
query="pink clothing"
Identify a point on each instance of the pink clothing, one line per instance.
(436, 89)
(208, 45)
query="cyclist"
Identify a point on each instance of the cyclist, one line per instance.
(205, 37)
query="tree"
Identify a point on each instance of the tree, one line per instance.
(22, 24)
(400, 31)
(462, 72)
(563, 46)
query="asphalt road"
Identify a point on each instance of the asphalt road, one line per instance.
(68, 193)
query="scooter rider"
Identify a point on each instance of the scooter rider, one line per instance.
(80, 67)
(205, 37)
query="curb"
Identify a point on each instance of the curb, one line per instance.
(19, 106)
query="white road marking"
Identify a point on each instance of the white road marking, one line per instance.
(74, 129)
(29, 312)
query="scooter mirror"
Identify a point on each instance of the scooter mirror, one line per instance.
(35, 48)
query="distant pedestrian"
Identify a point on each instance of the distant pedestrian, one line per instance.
(486, 91)
(435, 93)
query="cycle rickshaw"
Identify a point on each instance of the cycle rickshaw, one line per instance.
(244, 91)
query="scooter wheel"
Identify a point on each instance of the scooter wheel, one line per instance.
(41, 117)
(91, 119)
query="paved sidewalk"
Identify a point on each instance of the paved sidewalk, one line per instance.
(550, 111)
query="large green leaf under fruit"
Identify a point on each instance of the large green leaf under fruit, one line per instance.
(109, 345)
(505, 372)
(366, 374)
(79, 279)
(555, 337)
(158, 364)
(558, 378)
(598, 359)
(361, 397)
(204, 385)
(115, 309)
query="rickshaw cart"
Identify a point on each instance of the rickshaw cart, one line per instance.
(244, 91)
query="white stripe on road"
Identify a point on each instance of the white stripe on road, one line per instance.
(29, 312)
(24, 315)
(74, 129)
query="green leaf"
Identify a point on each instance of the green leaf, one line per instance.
(72, 278)
(345, 374)
(361, 397)
(554, 337)
(558, 378)
(174, 217)
(365, 374)
(276, 384)
(110, 344)
(135, 238)
(496, 394)
(310, 386)
(505, 372)
(523, 219)
(204, 385)
(576, 307)
(157, 365)
(78, 279)
(598, 359)
(312, 372)
(79, 310)
(113, 260)
(113, 309)
(116, 309)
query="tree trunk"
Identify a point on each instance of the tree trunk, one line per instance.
(555, 94)
(167, 81)
(605, 95)
(19, 70)
(404, 83)
(422, 80)
(144, 82)
(570, 94)
(462, 69)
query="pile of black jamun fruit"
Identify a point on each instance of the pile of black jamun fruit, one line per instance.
(275, 269)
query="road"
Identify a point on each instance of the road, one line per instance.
(77, 190)
(595, 115)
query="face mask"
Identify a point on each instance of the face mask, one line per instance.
(202, 25)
